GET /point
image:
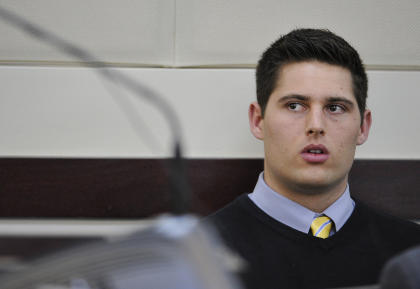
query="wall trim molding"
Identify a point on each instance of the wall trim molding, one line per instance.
(41, 63)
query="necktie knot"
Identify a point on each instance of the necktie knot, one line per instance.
(321, 227)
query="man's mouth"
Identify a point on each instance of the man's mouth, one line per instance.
(315, 153)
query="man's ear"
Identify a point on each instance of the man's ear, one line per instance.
(365, 127)
(256, 120)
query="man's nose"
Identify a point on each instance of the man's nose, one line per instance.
(315, 122)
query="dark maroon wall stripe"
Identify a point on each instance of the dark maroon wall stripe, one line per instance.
(137, 188)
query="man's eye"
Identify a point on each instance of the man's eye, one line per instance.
(294, 106)
(335, 108)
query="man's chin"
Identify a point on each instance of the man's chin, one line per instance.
(315, 186)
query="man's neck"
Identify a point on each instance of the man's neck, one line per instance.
(314, 198)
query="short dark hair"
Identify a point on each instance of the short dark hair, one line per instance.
(310, 45)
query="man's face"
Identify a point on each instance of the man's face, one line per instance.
(310, 128)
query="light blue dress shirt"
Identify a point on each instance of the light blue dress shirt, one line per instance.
(295, 215)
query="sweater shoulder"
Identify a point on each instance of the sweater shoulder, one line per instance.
(231, 221)
(385, 219)
(233, 214)
(382, 225)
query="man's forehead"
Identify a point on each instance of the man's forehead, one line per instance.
(311, 78)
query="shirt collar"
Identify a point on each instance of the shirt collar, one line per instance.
(295, 215)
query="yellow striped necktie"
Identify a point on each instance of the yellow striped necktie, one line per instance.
(321, 227)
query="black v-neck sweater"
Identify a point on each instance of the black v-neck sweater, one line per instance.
(278, 256)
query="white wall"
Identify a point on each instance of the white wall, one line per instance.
(50, 106)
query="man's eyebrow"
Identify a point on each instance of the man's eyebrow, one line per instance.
(294, 97)
(340, 99)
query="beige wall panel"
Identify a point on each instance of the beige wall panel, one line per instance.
(56, 111)
(394, 98)
(218, 32)
(123, 31)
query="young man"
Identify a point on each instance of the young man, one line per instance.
(300, 228)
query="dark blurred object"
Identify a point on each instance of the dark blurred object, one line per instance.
(402, 271)
(16, 251)
(176, 252)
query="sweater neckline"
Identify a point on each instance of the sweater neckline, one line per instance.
(347, 234)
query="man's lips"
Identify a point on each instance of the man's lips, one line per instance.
(315, 153)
